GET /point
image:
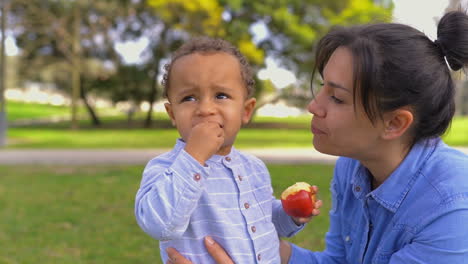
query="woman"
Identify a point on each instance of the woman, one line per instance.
(400, 195)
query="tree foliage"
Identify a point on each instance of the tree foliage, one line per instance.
(43, 30)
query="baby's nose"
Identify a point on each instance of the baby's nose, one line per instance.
(206, 107)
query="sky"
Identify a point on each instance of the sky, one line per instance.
(421, 14)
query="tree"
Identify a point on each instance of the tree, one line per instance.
(3, 123)
(293, 27)
(48, 36)
(43, 30)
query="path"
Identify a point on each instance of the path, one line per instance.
(142, 156)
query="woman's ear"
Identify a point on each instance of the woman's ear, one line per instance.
(249, 106)
(396, 123)
(170, 113)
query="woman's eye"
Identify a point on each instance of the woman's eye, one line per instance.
(222, 96)
(336, 100)
(188, 99)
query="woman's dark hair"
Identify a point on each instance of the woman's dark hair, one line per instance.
(396, 66)
(207, 44)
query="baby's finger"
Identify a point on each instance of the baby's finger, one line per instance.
(318, 204)
(303, 220)
(315, 188)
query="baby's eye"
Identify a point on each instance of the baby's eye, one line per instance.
(222, 96)
(188, 99)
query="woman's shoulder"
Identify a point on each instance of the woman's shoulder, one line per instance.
(446, 159)
(447, 172)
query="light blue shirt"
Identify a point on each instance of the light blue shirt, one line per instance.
(418, 215)
(231, 199)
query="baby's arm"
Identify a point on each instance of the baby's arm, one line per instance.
(285, 225)
(168, 195)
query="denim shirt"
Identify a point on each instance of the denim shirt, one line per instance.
(418, 215)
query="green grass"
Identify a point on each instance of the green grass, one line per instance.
(263, 132)
(144, 138)
(458, 132)
(257, 137)
(20, 111)
(85, 214)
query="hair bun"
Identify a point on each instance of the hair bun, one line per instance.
(439, 46)
(452, 39)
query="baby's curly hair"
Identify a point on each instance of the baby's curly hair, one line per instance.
(207, 44)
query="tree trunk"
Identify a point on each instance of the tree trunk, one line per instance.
(158, 53)
(153, 95)
(75, 67)
(3, 120)
(92, 114)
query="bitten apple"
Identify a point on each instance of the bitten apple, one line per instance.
(298, 200)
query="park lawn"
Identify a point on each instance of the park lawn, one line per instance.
(457, 134)
(144, 138)
(30, 111)
(85, 214)
(263, 134)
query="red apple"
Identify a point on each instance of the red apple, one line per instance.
(298, 200)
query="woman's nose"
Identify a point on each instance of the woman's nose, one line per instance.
(315, 107)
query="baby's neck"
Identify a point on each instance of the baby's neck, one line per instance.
(224, 150)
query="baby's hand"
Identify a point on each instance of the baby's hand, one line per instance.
(315, 212)
(205, 139)
(300, 202)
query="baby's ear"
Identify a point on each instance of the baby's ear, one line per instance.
(249, 106)
(170, 113)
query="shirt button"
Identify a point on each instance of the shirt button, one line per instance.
(254, 229)
(247, 205)
(347, 238)
(357, 189)
(197, 177)
(259, 257)
(240, 177)
(228, 159)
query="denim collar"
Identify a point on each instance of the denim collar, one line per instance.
(391, 193)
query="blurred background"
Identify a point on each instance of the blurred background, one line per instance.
(82, 74)
(98, 64)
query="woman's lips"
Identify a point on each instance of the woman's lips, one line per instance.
(316, 131)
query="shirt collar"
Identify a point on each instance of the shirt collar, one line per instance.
(391, 193)
(233, 155)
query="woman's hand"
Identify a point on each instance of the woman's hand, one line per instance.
(215, 250)
(285, 251)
